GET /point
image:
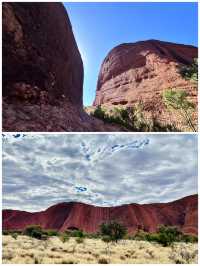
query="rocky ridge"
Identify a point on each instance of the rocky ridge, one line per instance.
(182, 213)
(140, 72)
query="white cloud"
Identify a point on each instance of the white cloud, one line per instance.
(105, 170)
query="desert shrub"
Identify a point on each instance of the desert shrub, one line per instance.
(189, 238)
(34, 231)
(103, 261)
(64, 238)
(132, 118)
(77, 233)
(106, 239)
(168, 235)
(191, 71)
(177, 100)
(100, 113)
(79, 240)
(14, 235)
(52, 232)
(165, 235)
(140, 235)
(68, 261)
(114, 230)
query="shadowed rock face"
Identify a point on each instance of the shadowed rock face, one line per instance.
(182, 213)
(142, 71)
(42, 71)
(39, 49)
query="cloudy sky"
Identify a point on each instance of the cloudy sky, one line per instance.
(104, 170)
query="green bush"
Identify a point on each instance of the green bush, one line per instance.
(77, 233)
(106, 239)
(165, 235)
(14, 235)
(177, 100)
(189, 238)
(191, 71)
(64, 238)
(52, 232)
(168, 235)
(113, 230)
(34, 231)
(132, 118)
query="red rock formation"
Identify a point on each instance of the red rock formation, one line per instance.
(141, 71)
(42, 71)
(182, 213)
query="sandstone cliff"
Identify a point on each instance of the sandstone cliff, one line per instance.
(182, 213)
(42, 71)
(141, 71)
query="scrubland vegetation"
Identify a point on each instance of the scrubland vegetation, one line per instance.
(111, 244)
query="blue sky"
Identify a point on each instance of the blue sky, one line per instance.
(99, 27)
(104, 170)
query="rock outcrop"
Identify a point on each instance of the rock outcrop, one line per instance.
(182, 213)
(42, 71)
(141, 71)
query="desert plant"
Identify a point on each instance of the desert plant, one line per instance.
(103, 261)
(52, 232)
(168, 235)
(64, 238)
(177, 100)
(132, 118)
(79, 240)
(191, 71)
(99, 113)
(77, 233)
(114, 230)
(14, 235)
(189, 238)
(34, 231)
(106, 239)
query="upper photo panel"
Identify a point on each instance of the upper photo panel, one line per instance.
(92, 67)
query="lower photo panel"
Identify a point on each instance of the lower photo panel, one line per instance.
(100, 198)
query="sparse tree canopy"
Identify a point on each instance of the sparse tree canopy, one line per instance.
(114, 230)
(177, 100)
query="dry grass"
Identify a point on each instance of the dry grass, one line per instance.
(26, 250)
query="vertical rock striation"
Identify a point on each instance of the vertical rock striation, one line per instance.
(182, 213)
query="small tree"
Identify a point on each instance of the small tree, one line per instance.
(113, 230)
(177, 100)
(34, 231)
(168, 235)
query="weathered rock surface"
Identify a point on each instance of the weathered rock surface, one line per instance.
(42, 71)
(141, 71)
(182, 213)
